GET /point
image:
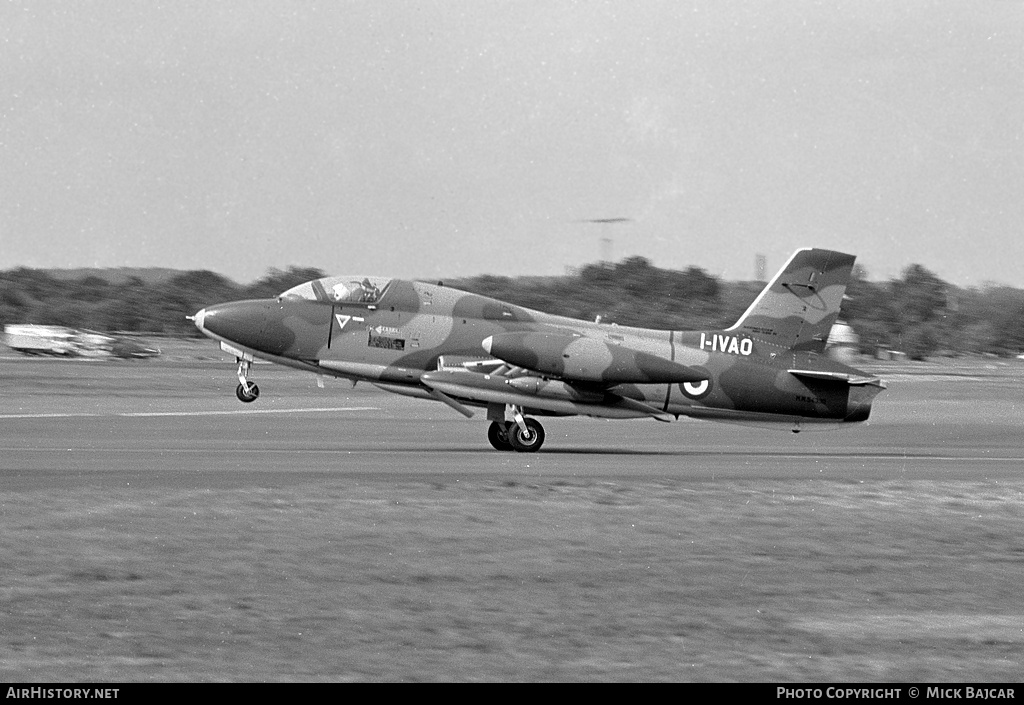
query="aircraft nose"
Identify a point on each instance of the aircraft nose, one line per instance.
(198, 319)
(252, 324)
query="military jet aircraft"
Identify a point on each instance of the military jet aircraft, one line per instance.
(465, 350)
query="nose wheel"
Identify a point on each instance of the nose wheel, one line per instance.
(245, 391)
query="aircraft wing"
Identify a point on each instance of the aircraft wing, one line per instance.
(841, 377)
(453, 386)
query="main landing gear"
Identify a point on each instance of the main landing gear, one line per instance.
(245, 391)
(521, 435)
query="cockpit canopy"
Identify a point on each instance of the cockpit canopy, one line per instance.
(341, 290)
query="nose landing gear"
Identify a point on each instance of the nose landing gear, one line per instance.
(245, 391)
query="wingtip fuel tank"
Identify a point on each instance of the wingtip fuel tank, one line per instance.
(586, 359)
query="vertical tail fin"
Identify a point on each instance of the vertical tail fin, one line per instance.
(798, 307)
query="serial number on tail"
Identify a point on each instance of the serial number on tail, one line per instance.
(726, 344)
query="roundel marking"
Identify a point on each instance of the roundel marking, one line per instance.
(697, 390)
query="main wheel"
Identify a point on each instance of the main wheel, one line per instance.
(247, 395)
(528, 441)
(497, 434)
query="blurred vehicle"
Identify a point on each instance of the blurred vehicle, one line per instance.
(843, 343)
(41, 340)
(127, 348)
(68, 342)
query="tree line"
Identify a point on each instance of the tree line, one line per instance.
(916, 313)
(133, 306)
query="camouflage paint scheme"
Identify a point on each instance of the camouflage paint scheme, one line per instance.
(438, 343)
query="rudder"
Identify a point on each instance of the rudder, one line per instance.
(796, 310)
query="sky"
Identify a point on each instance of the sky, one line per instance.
(430, 139)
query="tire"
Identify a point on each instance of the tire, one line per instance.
(247, 396)
(497, 434)
(529, 442)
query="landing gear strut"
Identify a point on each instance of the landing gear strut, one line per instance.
(245, 391)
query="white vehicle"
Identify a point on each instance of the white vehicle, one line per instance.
(42, 340)
(69, 342)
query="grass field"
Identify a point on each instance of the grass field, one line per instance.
(512, 577)
(597, 581)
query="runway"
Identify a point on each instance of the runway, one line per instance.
(179, 425)
(154, 528)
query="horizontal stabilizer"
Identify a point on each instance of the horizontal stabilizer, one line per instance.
(841, 377)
